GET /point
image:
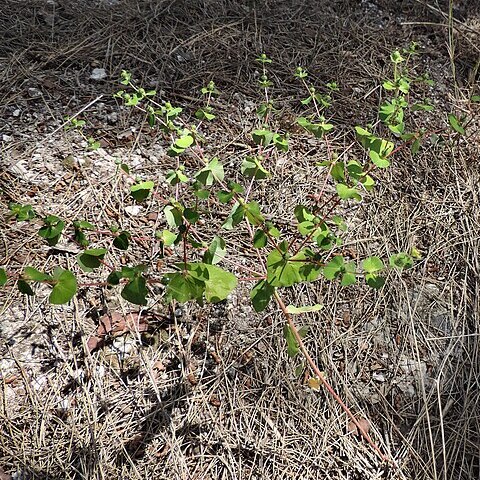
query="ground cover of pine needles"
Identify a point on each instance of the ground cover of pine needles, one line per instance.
(212, 394)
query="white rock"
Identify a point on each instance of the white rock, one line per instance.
(98, 74)
(133, 209)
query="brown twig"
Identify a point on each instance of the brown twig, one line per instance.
(324, 382)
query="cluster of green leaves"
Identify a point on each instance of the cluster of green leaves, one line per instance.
(62, 282)
(315, 123)
(193, 272)
(392, 111)
(78, 125)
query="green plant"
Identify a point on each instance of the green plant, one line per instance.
(193, 259)
(78, 125)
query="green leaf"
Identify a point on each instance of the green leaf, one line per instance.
(355, 170)
(292, 344)
(318, 129)
(348, 278)
(202, 194)
(88, 260)
(93, 144)
(372, 265)
(425, 107)
(24, 287)
(334, 267)
(191, 215)
(368, 182)
(3, 277)
(389, 85)
(345, 192)
(122, 241)
(141, 191)
(114, 278)
(252, 167)
(324, 238)
(132, 272)
(175, 177)
(173, 215)
(475, 98)
(338, 172)
(260, 239)
(415, 147)
(380, 162)
(280, 142)
(136, 291)
(83, 224)
(415, 253)
(263, 137)
(21, 212)
(30, 274)
(166, 237)
(291, 309)
(224, 196)
(182, 286)
(216, 251)
(283, 269)
(272, 230)
(236, 216)
(263, 59)
(205, 113)
(219, 285)
(303, 214)
(261, 295)
(52, 229)
(184, 142)
(396, 57)
(126, 77)
(371, 142)
(337, 267)
(213, 171)
(401, 261)
(455, 124)
(300, 72)
(252, 211)
(65, 286)
(374, 281)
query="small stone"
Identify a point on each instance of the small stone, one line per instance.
(98, 74)
(112, 118)
(34, 92)
(379, 377)
(133, 209)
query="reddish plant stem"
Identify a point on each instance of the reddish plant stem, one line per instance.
(324, 382)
